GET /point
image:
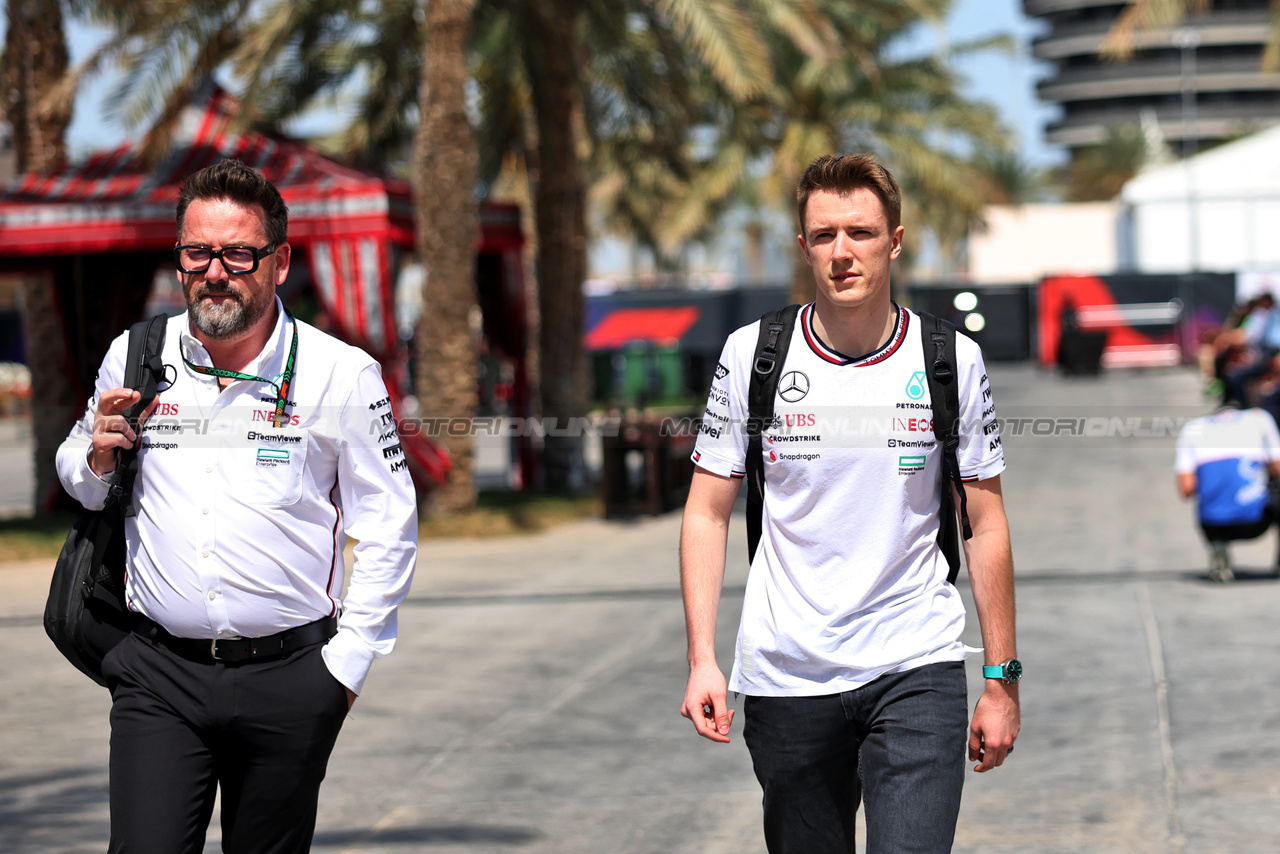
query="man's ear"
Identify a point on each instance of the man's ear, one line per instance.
(283, 253)
(896, 249)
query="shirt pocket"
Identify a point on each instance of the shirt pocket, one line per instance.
(269, 468)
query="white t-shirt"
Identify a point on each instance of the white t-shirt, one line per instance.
(848, 582)
(1229, 452)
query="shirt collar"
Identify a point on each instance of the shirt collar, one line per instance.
(194, 350)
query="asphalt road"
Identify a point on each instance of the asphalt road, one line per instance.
(532, 702)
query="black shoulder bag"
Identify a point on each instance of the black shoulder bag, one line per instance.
(86, 615)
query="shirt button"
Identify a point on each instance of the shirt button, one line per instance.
(208, 468)
(204, 553)
(206, 511)
(213, 595)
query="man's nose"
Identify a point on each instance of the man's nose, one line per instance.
(217, 272)
(843, 246)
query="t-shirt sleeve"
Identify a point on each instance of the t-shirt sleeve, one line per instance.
(722, 439)
(1270, 434)
(981, 454)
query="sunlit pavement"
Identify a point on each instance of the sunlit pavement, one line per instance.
(532, 702)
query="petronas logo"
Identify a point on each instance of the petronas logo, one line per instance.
(915, 385)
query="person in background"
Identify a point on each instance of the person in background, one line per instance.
(1228, 460)
(1256, 343)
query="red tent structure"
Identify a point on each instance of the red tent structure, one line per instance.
(107, 225)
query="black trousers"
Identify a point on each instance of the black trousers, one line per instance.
(896, 744)
(179, 729)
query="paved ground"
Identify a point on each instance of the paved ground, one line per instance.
(531, 705)
(18, 467)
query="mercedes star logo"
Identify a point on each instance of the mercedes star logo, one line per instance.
(794, 386)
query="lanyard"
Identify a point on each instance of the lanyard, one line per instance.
(282, 389)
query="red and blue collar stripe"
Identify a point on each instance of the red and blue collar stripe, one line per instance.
(822, 351)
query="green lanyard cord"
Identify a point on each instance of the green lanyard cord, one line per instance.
(281, 389)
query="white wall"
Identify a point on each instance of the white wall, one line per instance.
(1023, 243)
(1231, 234)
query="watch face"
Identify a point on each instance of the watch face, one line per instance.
(1012, 670)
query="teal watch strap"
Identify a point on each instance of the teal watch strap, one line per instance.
(1008, 672)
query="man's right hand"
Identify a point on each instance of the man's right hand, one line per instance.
(111, 431)
(705, 703)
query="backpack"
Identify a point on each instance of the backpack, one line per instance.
(944, 391)
(86, 614)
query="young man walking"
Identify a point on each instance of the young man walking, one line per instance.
(849, 650)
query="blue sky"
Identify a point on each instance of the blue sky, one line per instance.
(1007, 80)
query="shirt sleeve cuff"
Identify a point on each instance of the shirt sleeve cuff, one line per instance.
(348, 659)
(85, 485)
(983, 472)
(717, 464)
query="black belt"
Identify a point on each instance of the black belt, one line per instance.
(236, 650)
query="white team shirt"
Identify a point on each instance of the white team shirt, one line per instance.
(848, 583)
(1232, 434)
(241, 525)
(1229, 452)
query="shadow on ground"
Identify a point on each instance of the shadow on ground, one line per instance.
(59, 810)
(439, 834)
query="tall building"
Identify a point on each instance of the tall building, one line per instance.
(1203, 81)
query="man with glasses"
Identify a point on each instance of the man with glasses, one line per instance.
(273, 444)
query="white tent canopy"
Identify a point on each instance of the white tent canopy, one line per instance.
(1218, 211)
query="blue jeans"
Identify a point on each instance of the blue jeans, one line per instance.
(898, 744)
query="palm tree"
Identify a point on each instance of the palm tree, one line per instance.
(1148, 15)
(288, 53)
(35, 58)
(837, 86)
(1098, 173)
(165, 49)
(1008, 179)
(445, 169)
(580, 84)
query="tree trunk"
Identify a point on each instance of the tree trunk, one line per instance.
(445, 169)
(35, 58)
(54, 404)
(560, 203)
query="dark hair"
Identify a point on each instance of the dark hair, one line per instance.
(235, 182)
(844, 174)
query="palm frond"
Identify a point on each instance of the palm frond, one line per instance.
(1146, 16)
(726, 40)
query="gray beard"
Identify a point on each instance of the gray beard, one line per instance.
(229, 320)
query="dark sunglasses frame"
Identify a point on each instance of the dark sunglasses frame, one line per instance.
(258, 255)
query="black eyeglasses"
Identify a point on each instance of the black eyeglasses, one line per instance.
(235, 259)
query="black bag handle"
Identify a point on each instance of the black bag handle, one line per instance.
(766, 368)
(939, 338)
(143, 372)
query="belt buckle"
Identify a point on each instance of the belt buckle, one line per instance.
(213, 646)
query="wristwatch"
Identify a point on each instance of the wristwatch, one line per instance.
(1008, 672)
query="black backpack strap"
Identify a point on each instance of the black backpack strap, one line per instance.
(143, 371)
(939, 337)
(766, 368)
